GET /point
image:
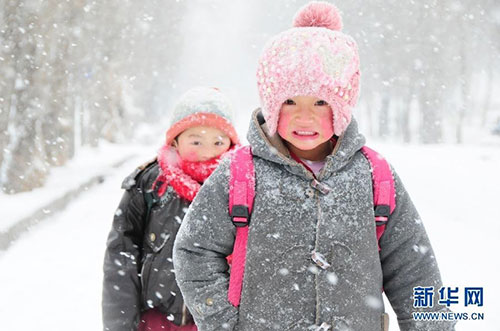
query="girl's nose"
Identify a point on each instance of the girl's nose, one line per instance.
(304, 115)
(209, 154)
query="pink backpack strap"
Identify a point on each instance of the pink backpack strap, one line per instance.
(384, 193)
(241, 196)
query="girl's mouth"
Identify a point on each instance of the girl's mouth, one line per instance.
(305, 134)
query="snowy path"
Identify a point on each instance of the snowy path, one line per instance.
(51, 278)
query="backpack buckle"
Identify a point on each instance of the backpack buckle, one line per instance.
(240, 215)
(382, 213)
(382, 210)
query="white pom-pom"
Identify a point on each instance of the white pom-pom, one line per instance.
(318, 14)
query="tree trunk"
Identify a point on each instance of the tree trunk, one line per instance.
(464, 85)
(23, 167)
(383, 117)
(404, 122)
(430, 124)
(489, 88)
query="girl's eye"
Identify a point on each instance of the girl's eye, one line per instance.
(289, 102)
(321, 103)
(219, 143)
(196, 143)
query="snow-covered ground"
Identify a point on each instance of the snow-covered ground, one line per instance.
(51, 277)
(456, 190)
(89, 163)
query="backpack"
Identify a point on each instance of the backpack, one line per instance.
(151, 196)
(242, 193)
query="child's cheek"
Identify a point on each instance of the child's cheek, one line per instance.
(283, 124)
(326, 125)
(189, 154)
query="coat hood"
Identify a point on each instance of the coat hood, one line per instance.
(272, 147)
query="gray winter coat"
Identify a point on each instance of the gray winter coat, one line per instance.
(283, 288)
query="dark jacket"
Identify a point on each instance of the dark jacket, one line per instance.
(283, 289)
(138, 270)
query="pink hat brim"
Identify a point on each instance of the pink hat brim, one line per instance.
(202, 119)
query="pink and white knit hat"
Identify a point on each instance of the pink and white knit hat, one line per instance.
(311, 59)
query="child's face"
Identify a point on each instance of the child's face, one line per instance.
(201, 143)
(306, 123)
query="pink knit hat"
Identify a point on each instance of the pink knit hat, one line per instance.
(311, 59)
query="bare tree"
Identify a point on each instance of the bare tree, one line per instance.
(23, 165)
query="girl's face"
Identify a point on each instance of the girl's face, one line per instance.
(306, 124)
(201, 143)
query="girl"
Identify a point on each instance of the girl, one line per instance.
(138, 274)
(312, 257)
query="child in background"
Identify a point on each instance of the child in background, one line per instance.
(312, 256)
(140, 292)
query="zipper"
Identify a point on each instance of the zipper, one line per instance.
(184, 314)
(143, 268)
